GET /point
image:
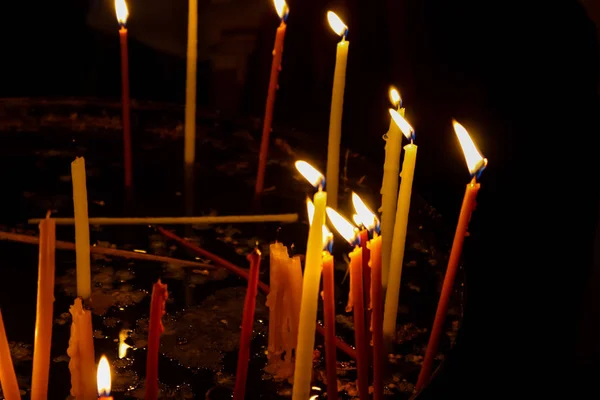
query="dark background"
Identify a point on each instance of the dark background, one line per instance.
(521, 76)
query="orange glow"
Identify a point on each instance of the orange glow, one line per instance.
(402, 123)
(475, 161)
(122, 11)
(395, 96)
(327, 235)
(103, 377)
(312, 175)
(123, 335)
(364, 216)
(281, 7)
(336, 23)
(342, 225)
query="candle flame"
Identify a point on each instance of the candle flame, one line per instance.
(475, 161)
(122, 11)
(403, 124)
(312, 175)
(364, 216)
(103, 377)
(282, 8)
(327, 235)
(337, 24)
(342, 225)
(395, 97)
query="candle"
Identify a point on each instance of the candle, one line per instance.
(337, 105)
(8, 379)
(348, 231)
(375, 263)
(82, 229)
(476, 164)
(103, 379)
(392, 294)
(122, 14)
(81, 352)
(310, 287)
(282, 11)
(44, 310)
(389, 187)
(278, 257)
(190, 89)
(241, 373)
(155, 328)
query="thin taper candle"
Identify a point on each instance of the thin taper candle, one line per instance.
(190, 86)
(8, 379)
(82, 229)
(329, 319)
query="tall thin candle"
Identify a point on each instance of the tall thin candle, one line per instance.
(122, 14)
(82, 229)
(155, 329)
(241, 372)
(337, 106)
(476, 163)
(377, 316)
(310, 287)
(44, 310)
(8, 379)
(283, 11)
(190, 87)
(392, 294)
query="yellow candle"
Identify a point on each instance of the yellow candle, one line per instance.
(278, 258)
(81, 351)
(389, 188)
(310, 288)
(399, 240)
(8, 379)
(82, 229)
(337, 106)
(295, 295)
(190, 87)
(44, 310)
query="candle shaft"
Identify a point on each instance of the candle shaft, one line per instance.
(377, 316)
(155, 329)
(366, 271)
(44, 311)
(335, 123)
(268, 121)
(392, 294)
(81, 351)
(125, 104)
(8, 379)
(329, 319)
(310, 297)
(360, 338)
(190, 86)
(82, 228)
(389, 196)
(468, 205)
(241, 374)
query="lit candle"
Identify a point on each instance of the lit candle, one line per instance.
(282, 11)
(389, 186)
(337, 106)
(8, 379)
(310, 287)
(476, 164)
(82, 229)
(377, 315)
(44, 310)
(122, 14)
(81, 352)
(392, 294)
(155, 328)
(241, 372)
(356, 300)
(103, 379)
(190, 88)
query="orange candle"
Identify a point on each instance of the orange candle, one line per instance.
(122, 14)
(81, 352)
(366, 277)
(8, 379)
(374, 246)
(329, 319)
(44, 310)
(476, 164)
(283, 11)
(157, 310)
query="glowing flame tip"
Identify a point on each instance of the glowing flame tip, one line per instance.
(103, 377)
(337, 24)
(342, 225)
(475, 161)
(395, 97)
(282, 8)
(312, 175)
(364, 216)
(403, 124)
(122, 11)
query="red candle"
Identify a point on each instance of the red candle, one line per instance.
(366, 254)
(122, 14)
(282, 10)
(241, 374)
(157, 310)
(377, 316)
(360, 337)
(329, 319)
